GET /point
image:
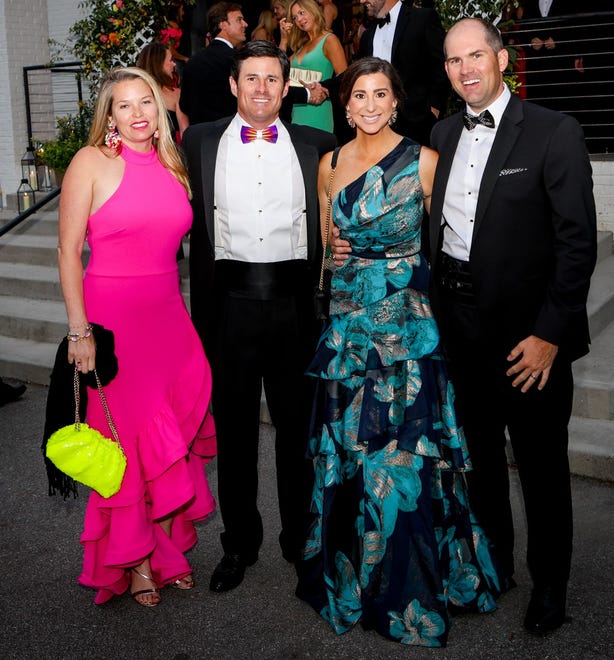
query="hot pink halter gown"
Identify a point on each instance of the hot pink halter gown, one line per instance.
(161, 394)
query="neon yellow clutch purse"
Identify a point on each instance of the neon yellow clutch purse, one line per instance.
(86, 455)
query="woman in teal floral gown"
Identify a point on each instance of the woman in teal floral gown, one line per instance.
(392, 542)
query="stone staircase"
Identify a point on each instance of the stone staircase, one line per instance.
(32, 313)
(33, 320)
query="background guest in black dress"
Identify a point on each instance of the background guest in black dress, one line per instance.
(157, 60)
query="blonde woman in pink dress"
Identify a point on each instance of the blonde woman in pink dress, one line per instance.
(127, 194)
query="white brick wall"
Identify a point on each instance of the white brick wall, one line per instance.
(62, 14)
(25, 28)
(603, 179)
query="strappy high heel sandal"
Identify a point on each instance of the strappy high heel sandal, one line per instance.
(155, 591)
(184, 583)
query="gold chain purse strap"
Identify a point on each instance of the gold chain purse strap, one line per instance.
(326, 247)
(103, 401)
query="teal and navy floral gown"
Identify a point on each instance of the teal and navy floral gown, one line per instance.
(392, 542)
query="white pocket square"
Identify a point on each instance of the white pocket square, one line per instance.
(513, 170)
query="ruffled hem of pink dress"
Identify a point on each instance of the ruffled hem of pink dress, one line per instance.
(165, 476)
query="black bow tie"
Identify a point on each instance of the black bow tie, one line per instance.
(484, 118)
(383, 20)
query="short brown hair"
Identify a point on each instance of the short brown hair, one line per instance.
(259, 48)
(218, 13)
(492, 34)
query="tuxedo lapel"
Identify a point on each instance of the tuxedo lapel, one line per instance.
(506, 137)
(208, 154)
(308, 159)
(400, 31)
(447, 150)
(366, 41)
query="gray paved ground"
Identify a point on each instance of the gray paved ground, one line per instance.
(45, 614)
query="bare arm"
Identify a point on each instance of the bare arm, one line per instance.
(260, 34)
(323, 179)
(426, 169)
(172, 45)
(182, 119)
(329, 16)
(284, 30)
(75, 208)
(333, 50)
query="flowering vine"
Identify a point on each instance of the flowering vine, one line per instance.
(114, 32)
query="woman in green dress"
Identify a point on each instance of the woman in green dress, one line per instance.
(318, 55)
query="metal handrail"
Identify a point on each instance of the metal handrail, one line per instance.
(17, 220)
(66, 67)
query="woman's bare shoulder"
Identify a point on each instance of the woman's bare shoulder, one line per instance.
(91, 155)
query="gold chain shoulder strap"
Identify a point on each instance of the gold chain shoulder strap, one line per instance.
(103, 401)
(329, 203)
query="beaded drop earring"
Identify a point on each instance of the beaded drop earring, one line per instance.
(112, 138)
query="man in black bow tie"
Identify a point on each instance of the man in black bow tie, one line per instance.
(512, 238)
(255, 252)
(411, 39)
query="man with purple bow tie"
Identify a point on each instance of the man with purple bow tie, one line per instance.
(255, 253)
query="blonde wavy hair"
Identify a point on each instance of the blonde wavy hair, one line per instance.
(297, 38)
(266, 21)
(165, 145)
(282, 3)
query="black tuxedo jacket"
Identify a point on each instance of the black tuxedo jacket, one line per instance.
(205, 91)
(200, 144)
(417, 56)
(534, 241)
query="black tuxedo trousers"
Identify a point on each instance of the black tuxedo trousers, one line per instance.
(536, 422)
(263, 343)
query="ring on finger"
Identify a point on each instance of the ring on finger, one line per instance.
(532, 376)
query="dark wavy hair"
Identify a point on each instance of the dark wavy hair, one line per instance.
(151, 58)
(363, 67)
(259, 48)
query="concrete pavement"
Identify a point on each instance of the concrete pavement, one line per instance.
(46, 615)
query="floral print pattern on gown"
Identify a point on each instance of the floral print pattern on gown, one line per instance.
(392, 542)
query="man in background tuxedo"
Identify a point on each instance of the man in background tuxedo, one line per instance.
(411, 39)
(513, 244)
(255, 253)
(549, 50)
(205, 92)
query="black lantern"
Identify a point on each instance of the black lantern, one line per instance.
(28, 168)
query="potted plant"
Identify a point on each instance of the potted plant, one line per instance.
(72, 134)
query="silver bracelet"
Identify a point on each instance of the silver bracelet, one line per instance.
(76, 336)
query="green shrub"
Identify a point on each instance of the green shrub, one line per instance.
(72, 134)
